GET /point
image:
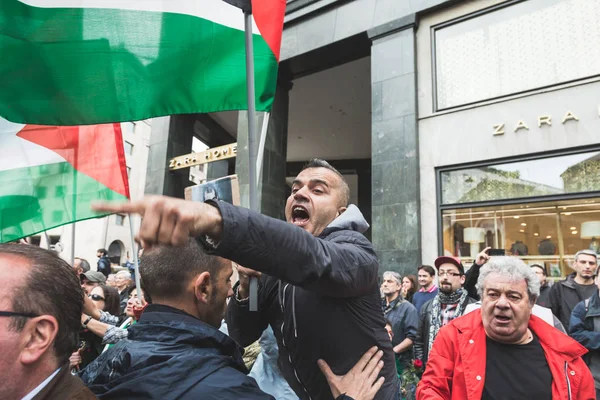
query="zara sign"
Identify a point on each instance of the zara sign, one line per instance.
(499, 129)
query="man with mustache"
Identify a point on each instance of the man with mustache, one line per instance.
(321, 295)
(450, 303)
(578, 286)
(502, 350)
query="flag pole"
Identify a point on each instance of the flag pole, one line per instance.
(73, 244)
(136, 265)
(252, 181)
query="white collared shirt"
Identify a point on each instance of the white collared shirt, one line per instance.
(39, 387)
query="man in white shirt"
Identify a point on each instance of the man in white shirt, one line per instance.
(40, 313)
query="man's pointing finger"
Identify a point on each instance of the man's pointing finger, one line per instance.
(133, 207)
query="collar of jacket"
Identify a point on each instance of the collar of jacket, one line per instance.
(552, 339)
(351, 219)
(569, 281)
(161, 323)
(388, 307)
(594, 306)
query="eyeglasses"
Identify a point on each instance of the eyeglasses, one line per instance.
(17, 314)
(96, 297)
(448, 273)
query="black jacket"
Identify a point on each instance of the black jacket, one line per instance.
(563, 299)
(321, 298)
(585, 328)
(169, 354)
(544, 299)
(421, 347)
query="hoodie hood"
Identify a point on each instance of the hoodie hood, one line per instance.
(351, 219)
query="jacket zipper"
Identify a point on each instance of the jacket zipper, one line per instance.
(284, 345)
(568, 381)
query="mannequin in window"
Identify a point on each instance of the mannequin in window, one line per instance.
(519, 248)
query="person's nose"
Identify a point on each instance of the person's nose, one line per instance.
(301, 194)
(502, 302)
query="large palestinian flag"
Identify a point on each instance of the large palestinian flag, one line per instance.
(74, 62)
(49, 175)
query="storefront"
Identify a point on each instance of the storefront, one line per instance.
(543, 209)
(509, 130)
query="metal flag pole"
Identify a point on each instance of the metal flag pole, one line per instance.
(252, 181)
(136, 264)
(73, 244)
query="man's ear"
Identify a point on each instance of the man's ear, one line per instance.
(202, 287)
(341, 210)
(37, 338)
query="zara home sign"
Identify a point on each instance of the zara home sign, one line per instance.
(499, 129)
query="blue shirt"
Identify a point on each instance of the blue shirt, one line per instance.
(420, 298)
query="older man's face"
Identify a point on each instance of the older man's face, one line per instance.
(390, 285)
(505, 308)
(316, 200)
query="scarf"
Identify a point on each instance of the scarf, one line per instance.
(435, 318)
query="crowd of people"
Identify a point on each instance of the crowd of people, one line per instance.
(328, 325)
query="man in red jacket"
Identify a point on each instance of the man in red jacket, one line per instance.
(502, 351)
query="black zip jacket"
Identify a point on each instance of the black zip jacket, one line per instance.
(321, 296)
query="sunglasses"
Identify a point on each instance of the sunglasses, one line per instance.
(96, 297)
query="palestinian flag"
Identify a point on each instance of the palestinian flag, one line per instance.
(77, 62)
(49, 175)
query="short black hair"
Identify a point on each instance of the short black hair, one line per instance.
(540, 267)
(85, 266)
(319, 163)
(427, 268)
(102, 251)
(166, 270)
(51, 288)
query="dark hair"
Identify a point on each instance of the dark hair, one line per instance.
(319, 163)
(103, 251)
(51, 288)
(427, 268)
(540, 267)
(112, 300)
(179, 264)
(414, 284)
(85, 266)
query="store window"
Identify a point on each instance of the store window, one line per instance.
(574, 173)
(515, 48)
(548, 232)
(542, 210)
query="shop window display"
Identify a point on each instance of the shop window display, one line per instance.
(548, 233)
(538, 231)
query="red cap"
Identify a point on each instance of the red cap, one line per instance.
(450, 260)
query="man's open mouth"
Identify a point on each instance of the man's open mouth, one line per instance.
(300, 215)
(502, 318)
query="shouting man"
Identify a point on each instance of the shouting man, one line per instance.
(321, 295)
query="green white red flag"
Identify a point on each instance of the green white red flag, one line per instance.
(50, 175)
(78, 62)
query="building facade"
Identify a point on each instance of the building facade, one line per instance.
(459, 124)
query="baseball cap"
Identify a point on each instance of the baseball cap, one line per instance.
(95, 276)
(450, 260)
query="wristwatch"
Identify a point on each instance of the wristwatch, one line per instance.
(87, 320)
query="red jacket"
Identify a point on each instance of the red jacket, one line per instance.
(456, 366)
